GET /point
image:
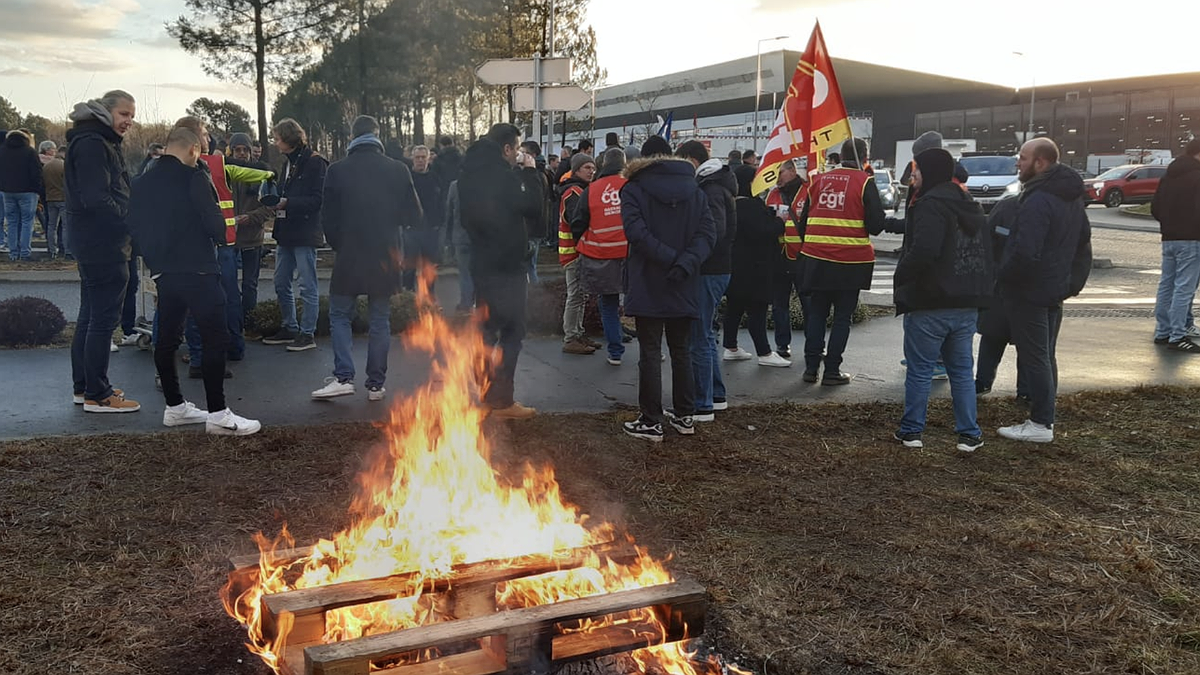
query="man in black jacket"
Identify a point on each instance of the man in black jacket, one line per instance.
(498, 198)
(177, 225)
(97, 185)
(942, 279)
(422, 238)
(22, 188)
(297, 235)
(369, 200)
(1176, 206)
(1045, 262)
(719, 186)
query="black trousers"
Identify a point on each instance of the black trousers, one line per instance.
(202, 296)
(1035, 333)
(756, 323)
(503, 298)
(821, 303)
(683, 385)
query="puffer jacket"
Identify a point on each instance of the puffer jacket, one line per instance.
(720, 186)
(97, 183)
(20, 168)
(946, 260)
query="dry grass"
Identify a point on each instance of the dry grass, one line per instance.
(825, 547)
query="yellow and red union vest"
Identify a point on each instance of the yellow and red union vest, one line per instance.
(605, 236)
(836, 229)
(216, 168)
(566, 242)
(789, 242)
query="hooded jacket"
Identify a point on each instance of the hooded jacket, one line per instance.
(755, 254)
(97, 183)
(495, 201)
(720, 186)
(671, 231)
(946, 261)
(20, 168)
(1049, 253)
(1176, 203)
(175, 219)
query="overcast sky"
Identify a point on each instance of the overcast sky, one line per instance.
(56, 52)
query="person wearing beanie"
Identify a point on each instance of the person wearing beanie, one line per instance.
(671, 232)
(837, 260)
(656, 145)
(600, 241)
(611, 140)
(370, 199)
(583, 169)
(944, 276)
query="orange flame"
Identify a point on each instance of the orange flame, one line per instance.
(432, 500)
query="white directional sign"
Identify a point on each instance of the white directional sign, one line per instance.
(522, 71)
(553, 98)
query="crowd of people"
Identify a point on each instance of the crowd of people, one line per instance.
(661, 234)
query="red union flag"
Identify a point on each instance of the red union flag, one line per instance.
(812, 118)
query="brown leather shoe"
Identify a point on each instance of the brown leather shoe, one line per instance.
(516, 411)
(590, 342)
(577, 347)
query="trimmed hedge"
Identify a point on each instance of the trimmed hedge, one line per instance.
(266, 318)
(29, 321)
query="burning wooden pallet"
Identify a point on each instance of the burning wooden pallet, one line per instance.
(482, 639)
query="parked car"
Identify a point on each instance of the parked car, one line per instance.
(991, 177)
(889, 189)
(1121, 184)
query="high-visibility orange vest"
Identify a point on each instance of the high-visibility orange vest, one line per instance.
(836, 229)
(605, 236)
(789, 242)
(566, 241)
(216, 168)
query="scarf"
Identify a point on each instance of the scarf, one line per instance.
(363, 140)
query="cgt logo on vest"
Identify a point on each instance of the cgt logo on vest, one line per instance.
(611, 198)
(833, 192)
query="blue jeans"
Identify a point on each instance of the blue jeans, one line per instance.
(54, 243)
(227, 259)
(20, 208)
(292, 261)
(250, 262)
(1176, 288)
(706, 358)
(341, 312)
(947, 334)
(101, 294)
(610, 318)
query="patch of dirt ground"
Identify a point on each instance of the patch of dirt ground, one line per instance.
(825, 546)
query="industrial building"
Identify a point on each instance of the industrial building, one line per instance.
(716, 103)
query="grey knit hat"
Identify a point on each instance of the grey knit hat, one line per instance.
(926, 141)
(239, 139)
(579, 159)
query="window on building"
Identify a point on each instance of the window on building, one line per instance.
(1148, 120)
(1006, 124)
(1070, 132)
(926, 122)
(978, 126)
(1108, 125)
(951, 123)
(1186, 120)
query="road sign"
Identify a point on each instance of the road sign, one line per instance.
(553, 98)
(521, 71)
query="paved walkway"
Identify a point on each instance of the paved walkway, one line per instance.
(272, 384)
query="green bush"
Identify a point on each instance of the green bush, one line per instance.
(29, 321)
(266, 318)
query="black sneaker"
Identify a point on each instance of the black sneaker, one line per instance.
(969, 443)
(909, 440)
(1161, 340)
(1184, 345)
(644, 429)
(303, 342)
(981, 388)
(683, 425)
(785, 352)
(283, 336)
(835, 378)
(810, 376)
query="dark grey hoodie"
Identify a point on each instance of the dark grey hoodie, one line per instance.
(720, 186)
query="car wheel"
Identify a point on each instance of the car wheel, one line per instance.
(1114, 198)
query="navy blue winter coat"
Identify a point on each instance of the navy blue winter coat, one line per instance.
(671, 231)
(1049, 253)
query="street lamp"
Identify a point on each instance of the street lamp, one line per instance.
(758, 85)
(1032, 97)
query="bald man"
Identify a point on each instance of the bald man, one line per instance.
(1046, 261)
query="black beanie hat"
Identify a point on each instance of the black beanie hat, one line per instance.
(655, 145)
(937, 167)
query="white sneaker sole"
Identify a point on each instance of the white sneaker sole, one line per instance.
(644, 437)
(103, 409)
(184, 421)
(376, 395)
(727, 357)
(768, 364)
(721, 405)
(320, 396)
(1026, 439)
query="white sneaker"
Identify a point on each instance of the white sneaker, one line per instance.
(184, 413)
(225, 423)
(1029, 431)
(129, 340)
(738, 354)
(721, 405)
(112, 347)
(375, 393)
(773, 360)
(704, 417)
(1192, 332)
(333, 389)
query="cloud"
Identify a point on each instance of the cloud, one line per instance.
(57, 58)
(30, 20)
(209, 89)
(16, 71)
